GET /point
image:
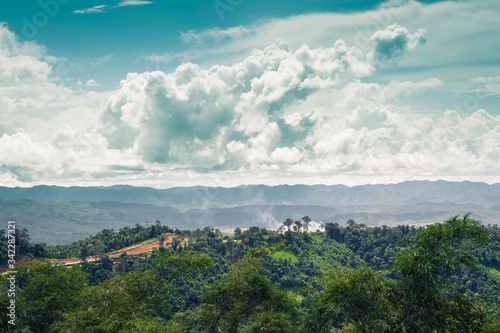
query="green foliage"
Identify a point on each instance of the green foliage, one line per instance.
(270, 322)
(46, 293)
(22, 243)
(284, 255)
(355, 298)
(420, 300)
(494, 272)
(271, 281)
(438, 249)
(115, 305)
(136, 301)
(245, 300)
(109, 241)
(174, 267)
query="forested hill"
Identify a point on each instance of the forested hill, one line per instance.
(443, 278)
(191, 197)
(58, 215)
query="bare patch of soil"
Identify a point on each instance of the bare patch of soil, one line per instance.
(134, 249)
(20, 258)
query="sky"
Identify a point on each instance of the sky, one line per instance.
(167, 93)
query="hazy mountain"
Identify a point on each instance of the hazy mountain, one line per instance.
(58, 215)
(190, 197)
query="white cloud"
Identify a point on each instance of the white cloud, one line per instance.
(70, 154)
(91, 83)
(46, 129)
(95, 9)
(215, 34)
(133, 3)
(172, 118)
(312, 110)
(485, 86)
(286, 155)
(394, 41)
(450, 51)
(105, 8)
(11, 47)
(302, 111)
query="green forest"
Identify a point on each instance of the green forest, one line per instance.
(444, 277)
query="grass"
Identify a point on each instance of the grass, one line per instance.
(284, 255)
(494, 272)
(296, 296)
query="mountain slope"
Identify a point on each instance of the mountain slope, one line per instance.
(58, 215)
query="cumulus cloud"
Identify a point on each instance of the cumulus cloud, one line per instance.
(310, 113)
(11, 47)
(91, 83)
(45, 127)
(394, 40)
(24, 78)
(69, 154)
(29, 92)
(191, 114)
(20, 61)
(304, 111)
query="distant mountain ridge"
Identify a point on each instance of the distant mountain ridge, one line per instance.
(325, 195)
(59, 215)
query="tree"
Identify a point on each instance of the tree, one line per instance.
(421, 299)
(39, 250)
(333, 231)
(246, 301)
(298, 226)
(133, 302)
(288, 223)
(84, 252)
(354, 298)
(306, 220)
(23, 241)
(426, 296)
(46, 292)
(116, 305)
(175, 243)
(105, 262)
(161, 240)
(351, 224)
(174, 267)
(4, 250)
(280, 229)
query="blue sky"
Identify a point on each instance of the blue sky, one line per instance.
(83, 31)
(229, 92)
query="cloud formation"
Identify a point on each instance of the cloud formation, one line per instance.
(207, 118)
(105, 8)
(44, 126)
(133, 3)
(394, 40)
(95, 9)
(281, 114)
(298, 111)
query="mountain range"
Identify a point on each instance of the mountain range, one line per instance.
(61, 215)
